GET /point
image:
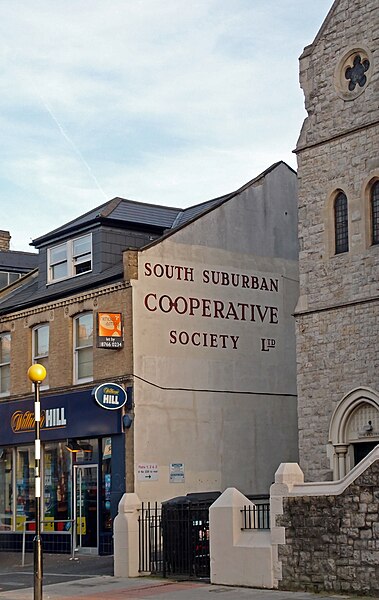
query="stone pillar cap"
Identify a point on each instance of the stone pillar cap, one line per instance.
(289, 474)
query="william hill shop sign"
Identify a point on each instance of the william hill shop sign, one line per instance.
(110, 396)
(24, 420)
(63, 416)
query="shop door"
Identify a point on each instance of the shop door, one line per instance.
(86, 508)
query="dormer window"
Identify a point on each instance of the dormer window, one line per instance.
(71, 258)
(6, 277)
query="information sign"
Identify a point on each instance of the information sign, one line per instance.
(147, 472)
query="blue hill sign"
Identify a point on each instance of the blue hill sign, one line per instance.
(110, 396)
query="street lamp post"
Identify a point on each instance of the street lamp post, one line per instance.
(37, 374)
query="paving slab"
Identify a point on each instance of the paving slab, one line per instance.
(91, 578)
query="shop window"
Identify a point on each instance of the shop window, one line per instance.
(57, 487)
(83, 348)
(71, 258)
(106, 477)
(6, 496)
(375, 213)
(84, 451)
(41, 349)
(25, 487)
(5, 359)
(341, 227)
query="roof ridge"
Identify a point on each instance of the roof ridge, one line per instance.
(219, 201)
(18, 252)
(110, 206)
(165, 206)
(57, 229)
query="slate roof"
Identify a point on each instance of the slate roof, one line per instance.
(29, 293)
(118, 212)
(145, 214)
(186, 215)
(125, 212)
(21, 262)
(193, 212)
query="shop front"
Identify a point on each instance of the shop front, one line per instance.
(83, 473)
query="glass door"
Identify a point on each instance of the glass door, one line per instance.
(86, 508)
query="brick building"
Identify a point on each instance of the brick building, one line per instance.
(188, 311)
(13, 263)
(337, 315)
(51, 318)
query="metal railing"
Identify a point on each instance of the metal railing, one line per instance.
(256, 516)
(174, 540)
(150, 539)
(73, 534)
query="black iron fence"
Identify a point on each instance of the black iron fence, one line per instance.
(185, 529)
(150, 539)
(174, 537)
(256, 516)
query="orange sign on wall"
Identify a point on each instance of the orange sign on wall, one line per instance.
(109, 330)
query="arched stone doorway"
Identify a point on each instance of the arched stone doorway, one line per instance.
(354, 430)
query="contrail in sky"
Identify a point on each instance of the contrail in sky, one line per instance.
(64, 134)
(73, 146)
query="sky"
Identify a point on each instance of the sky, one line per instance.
(170, 102)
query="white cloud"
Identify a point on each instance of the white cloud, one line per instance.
(165, 101)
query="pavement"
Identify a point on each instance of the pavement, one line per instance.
(91, 578)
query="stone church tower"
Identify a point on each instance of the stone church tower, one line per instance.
(338, 311)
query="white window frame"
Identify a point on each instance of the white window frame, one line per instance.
(71, 259)
(36, 358)
(9, 273)
(5, 364)
(77, 349)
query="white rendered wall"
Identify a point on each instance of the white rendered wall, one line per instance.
(215, 386)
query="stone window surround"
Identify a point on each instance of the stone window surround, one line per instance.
(374, 211)
(340, 81)
(338, 449)
(341, 223)
(363, 204)
(366, 202)
(329, 219)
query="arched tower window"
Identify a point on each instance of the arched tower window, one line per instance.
(341, 227)
(375, 213)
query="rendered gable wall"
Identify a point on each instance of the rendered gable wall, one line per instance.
(215, 390)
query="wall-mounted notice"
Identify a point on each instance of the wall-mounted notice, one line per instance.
(176, 472)
(109, 330)
(147, 472)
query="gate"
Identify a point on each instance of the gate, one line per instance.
(150, 539)
(174, 538)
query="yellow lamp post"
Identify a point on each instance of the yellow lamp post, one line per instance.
(37, 374)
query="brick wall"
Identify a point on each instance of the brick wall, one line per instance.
(59, 315)
(4, 240)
